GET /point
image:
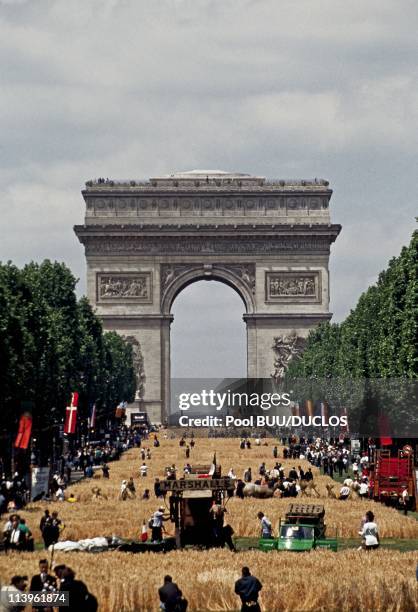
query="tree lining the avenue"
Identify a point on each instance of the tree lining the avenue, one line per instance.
(367, 366)
(379, 338)
(51, 345)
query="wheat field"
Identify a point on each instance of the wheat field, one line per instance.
(320, 580)
(89, 518)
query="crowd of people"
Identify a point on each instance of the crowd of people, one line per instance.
(17, 536)
(92, 456)
(13, 493)
(87, 458)
(128, 488)
(79, 459)
(285, 483)
(332, 458)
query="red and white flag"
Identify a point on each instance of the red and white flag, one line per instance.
(144, 532)
(71, 414)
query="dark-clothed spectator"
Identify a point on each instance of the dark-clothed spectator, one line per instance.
(239, 491)
(157, 488)
(171, 596)
(51, 530)
(248, 588)
(43, 583)
(80, 599)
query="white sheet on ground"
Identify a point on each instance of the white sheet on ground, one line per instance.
(89, 544)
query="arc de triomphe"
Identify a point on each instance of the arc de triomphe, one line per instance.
(268, 240)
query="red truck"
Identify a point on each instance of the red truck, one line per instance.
(391, 476)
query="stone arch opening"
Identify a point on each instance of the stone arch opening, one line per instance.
(208, 335)
(174, 279)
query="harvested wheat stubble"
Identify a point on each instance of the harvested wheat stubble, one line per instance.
(320, 581)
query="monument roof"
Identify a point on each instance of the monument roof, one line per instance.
(193, 174)
(202, 180)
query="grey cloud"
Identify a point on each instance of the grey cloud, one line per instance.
(134, 89)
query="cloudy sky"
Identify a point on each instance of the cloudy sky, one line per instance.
(284, 89)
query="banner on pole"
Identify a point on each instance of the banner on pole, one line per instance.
(24, 432)
(92, 418)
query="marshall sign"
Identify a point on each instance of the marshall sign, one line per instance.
(198, 484)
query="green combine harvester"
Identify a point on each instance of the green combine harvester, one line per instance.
(303, 529)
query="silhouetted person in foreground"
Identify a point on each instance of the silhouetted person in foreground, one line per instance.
(79, 597)
(171, 597)
(248, 588)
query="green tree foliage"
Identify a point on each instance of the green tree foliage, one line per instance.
(119, 373)
(379, 338)
(15, 340)
(51, 345)
(369, 361)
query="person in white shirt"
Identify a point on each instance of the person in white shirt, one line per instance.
(60, 494)
(355, 468)
(143, 469)
(344, 492)
(123, 494)
(157, 524)
(364, 460)
(370, 533)
(404, 500)
(266, 532)
(363, 489)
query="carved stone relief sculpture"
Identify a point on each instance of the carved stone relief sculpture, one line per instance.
(124, 287)
(292, 286)
(285, 348)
